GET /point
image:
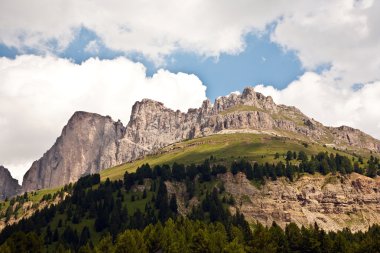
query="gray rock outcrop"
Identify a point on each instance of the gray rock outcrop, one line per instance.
(9, 186)
(88, 143)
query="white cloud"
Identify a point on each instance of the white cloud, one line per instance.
(39, 94)
(154, 29)
(343, 34)
(92, 47)
(318, 97)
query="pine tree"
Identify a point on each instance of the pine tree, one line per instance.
(105, 245)
(162, 202)
(84, 236)
(302, 156)
(130, 241)
(55, 235)
(173, 204)
(289, 156)
(178, 172)
(85, 249)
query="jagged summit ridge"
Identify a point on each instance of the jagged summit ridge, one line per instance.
(249, 97)
(90, 142)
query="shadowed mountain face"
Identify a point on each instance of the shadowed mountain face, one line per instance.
(90, 142)
(8, 185)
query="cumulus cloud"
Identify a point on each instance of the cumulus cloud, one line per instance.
(39, 94)
(154, 29)
(318, 97)
(343, 34)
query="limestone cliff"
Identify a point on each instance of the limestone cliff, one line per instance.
(333, 202)
(91, 142)
(8, 185)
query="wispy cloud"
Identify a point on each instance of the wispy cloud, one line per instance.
(92, 47)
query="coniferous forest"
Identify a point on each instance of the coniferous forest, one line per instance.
(138, 214)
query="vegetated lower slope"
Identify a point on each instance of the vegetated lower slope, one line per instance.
(128, 214)
(224, 148)
(23, 206)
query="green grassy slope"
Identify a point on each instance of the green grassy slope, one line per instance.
(224, 147)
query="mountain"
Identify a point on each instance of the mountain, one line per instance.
(243, 162)
(90, 142)
(8, 185)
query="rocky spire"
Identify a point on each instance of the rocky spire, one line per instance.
(88, 144)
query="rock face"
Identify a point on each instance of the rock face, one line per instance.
(8, 185)
(90, 142)
(349, 136)
(333, 202)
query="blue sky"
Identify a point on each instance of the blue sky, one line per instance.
(261, 62)
(101, 56)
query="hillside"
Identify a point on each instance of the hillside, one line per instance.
(333, 202)
(254, 147)
(223, 198)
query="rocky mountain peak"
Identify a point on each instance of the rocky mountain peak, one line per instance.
(89, 117)
(86, 145)
(146, 105)
(8, 185)
(249, 97)
(248, 92)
